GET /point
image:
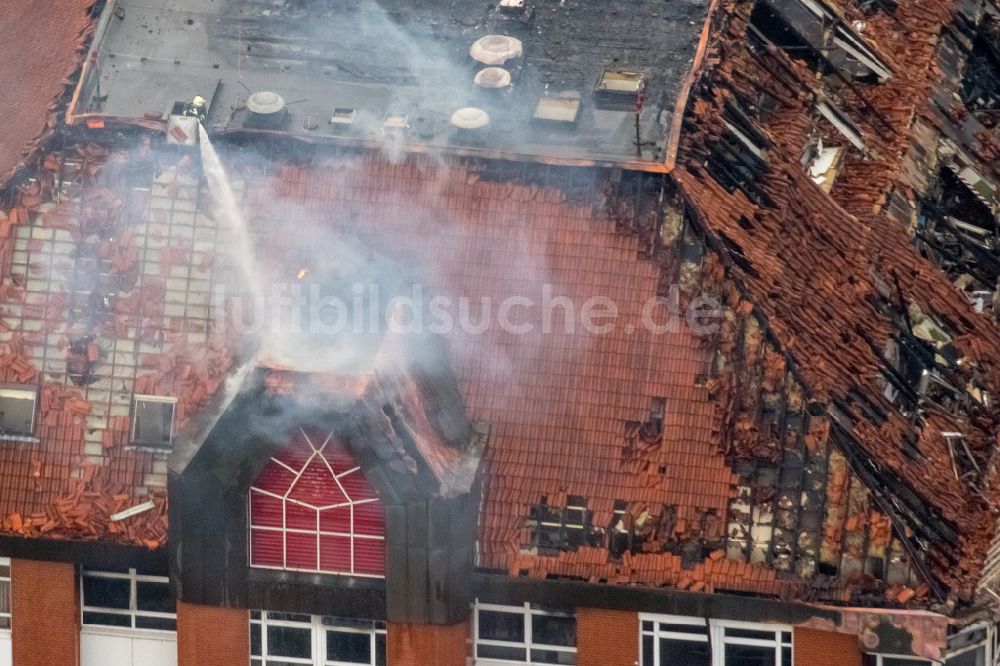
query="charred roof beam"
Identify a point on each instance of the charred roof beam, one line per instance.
(834, 70)
(905, 519)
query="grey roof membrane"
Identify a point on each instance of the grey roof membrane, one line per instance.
(406, 57)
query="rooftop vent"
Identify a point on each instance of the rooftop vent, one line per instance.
(492, 77)
(496, 49)
(563, 108)
(470, 118)
(267, 109)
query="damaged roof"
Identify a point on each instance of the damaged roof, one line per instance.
(833, 441)
(842, 291)
(45, 44)
(395, 72)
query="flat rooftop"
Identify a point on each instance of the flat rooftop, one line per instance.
(408, 62)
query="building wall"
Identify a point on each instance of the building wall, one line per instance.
(45, 613)
(422, 644)
(211, 636)
(825, 648)
(606, 638)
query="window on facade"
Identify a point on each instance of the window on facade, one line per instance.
(128, 600)
(675, 640)
(523, 635)
(753, 645)
(666, 640)
(4, 593)
(153, 421)
(282, 639)
(311, 509)
(17, 412)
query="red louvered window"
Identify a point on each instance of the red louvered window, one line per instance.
(312, 509)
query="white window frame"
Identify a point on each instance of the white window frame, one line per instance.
(284, 530)
(133, 611)
(879, 658)
(318, 636)
(716, 636)
(162, 399)
(527, 612)
(5, 589)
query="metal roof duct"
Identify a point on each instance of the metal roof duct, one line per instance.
(267, 109)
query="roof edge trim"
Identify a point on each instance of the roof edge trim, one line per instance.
(680, 104)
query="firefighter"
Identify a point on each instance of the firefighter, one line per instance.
(196, 108)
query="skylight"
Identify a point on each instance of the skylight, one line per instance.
(17, 412)
(561, 109)
(153, 421)
(621, 82)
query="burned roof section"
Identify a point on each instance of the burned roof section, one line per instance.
(879, 338)
(587, 81)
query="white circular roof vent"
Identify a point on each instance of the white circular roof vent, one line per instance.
(470, 117)
(492, 77)
(265, 103)
(496, 49)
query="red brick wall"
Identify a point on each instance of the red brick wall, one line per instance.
(825, 648)
(45, 613)
(606, 638)
(427, 645)
(210, 636)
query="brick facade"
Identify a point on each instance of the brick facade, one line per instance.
(45, 613)
(427, 645)
(210, 636)
(606, 638)
(825, 648)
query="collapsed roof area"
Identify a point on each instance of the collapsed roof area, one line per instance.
(866, 326)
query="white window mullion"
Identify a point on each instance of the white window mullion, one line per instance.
(475, 632)
(716, 635)
(527, 632)
(318, 639)
(133, 591)
(263, 636)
